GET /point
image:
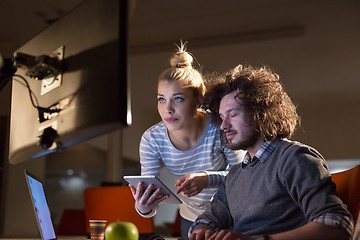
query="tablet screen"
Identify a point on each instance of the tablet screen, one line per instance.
(147, 180)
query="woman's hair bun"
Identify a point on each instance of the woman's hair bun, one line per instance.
(181, 59)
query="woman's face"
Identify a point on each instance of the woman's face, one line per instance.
(177, 105)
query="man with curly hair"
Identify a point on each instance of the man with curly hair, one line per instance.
(282, 189)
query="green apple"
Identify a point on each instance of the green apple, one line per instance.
(121, 231)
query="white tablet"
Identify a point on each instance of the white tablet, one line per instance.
(147, 180)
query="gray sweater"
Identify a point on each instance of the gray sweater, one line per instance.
(292, 187)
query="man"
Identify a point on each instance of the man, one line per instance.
(283, 189)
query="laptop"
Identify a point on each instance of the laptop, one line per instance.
(41, 208)
(43, 216)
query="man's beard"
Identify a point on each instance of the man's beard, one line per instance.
(249, 141)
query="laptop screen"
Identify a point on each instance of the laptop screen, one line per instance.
(41, 207)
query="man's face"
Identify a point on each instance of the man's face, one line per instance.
(240, 134)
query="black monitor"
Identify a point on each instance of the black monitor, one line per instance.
(71, 82)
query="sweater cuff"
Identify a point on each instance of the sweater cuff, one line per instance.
(149, 214)
(216, 229)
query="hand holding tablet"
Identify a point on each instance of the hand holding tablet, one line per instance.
(156, 182)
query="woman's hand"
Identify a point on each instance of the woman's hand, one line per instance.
(192, 184)
(146, 199)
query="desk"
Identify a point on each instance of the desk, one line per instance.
(68, 238)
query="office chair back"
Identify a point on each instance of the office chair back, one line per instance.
(348, 188)
(114, 203)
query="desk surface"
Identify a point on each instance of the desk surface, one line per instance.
(68, 238)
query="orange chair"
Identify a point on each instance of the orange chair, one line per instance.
(114, 203)
(348, 188)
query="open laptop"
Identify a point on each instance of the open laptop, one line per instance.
(42, 212)
(41, 208)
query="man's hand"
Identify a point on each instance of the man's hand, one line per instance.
(192, 184)
(229, 235)
(201, 232)
(206, 232)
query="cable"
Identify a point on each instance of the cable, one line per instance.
(42, 111)
(31, 93)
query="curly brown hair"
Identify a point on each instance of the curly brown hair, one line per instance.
(267, 104)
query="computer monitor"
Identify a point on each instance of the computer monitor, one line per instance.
(89, 93)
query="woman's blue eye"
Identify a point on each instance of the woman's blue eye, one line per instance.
(161, 100)
(179, 99)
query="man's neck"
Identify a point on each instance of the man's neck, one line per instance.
(253, 150)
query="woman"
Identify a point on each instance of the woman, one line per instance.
(186, 142)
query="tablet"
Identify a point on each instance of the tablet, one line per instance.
(147, 180)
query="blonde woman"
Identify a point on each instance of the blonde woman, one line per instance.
(185, 141)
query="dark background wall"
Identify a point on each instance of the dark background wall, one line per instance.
(312, 45)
